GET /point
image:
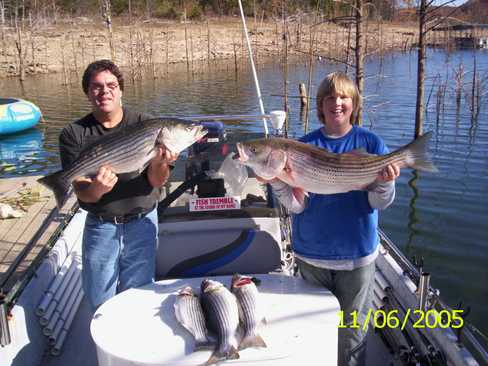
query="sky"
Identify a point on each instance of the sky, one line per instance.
(457, 2)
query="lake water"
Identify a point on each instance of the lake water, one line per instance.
(442, 217)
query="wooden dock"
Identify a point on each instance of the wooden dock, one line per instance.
(24, 239)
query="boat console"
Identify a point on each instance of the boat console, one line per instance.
(217, 220)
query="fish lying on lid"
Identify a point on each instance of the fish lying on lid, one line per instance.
(124, 151)
(189, 313)
(250, 311)
(222, 315)
(312, 169)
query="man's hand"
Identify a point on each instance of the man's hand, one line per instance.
(92, 189)
(158, 171)
(388, 174)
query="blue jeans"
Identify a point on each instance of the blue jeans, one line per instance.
(117, 257)
(354, 291)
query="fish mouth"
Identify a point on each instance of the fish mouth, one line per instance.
(185, 291)
(242, 281)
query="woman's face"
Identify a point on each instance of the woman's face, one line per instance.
(337, 109)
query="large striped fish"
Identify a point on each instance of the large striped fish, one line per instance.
(250, 311)
(189, 313)
(222, 315)
(125, 151)
(312, 169)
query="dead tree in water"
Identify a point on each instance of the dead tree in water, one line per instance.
(107, 16)
(21, 49)
(426, 14)
(359, 57)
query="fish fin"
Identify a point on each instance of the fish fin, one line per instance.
(275, 164)
(417, 157)
(60, 186)
(299, 195)
(233, 354)
(218, 356)
(252, 341)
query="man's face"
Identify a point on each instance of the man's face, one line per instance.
(104, 92)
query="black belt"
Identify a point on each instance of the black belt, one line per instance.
(124, 219)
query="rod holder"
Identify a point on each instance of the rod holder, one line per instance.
(277, 120)
(424, 285)
(5, 338)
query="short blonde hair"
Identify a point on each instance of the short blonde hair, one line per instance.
(340, 83)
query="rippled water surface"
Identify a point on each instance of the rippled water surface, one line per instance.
(442, 217)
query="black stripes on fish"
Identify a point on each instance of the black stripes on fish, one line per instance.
(127, 150)
(222, 315)
(189, 313)
(250, 312)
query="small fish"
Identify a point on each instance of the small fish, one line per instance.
(250, 313)
(124, 151)
(222, 315)
(189, 313)
(308, 168)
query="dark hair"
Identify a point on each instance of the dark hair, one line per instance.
(99, 66)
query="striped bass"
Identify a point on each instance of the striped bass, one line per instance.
(124, 151)
(222, 315)
(250, 311)
(189, 313)
(312, 169)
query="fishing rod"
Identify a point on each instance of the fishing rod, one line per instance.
(256, 81)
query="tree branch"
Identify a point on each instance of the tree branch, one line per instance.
(440, 21)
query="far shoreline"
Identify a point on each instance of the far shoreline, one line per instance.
(69, 46)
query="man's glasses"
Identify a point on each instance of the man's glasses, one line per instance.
(98, 88)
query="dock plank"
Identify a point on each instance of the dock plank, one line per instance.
(34, 229)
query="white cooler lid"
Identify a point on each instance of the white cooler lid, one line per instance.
(139, 327)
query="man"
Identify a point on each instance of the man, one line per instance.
(121, 229)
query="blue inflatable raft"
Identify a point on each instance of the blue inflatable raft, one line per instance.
(17, 115)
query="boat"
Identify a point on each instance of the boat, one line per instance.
(17, 115)
(213, 225)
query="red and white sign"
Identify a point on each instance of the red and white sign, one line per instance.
(215, 203)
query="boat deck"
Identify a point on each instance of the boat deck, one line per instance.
(22, 239)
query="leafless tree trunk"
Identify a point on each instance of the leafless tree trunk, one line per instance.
(21, 52)
(107, 16)
(2, 12)
(426, 12)
(419, 109)
(359, 56)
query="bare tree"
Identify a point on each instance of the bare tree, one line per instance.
(427, 21)
(107, 16)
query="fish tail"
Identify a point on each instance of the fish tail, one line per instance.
(254, 340)
(417, 154)
(218, 356)
(56, 183)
